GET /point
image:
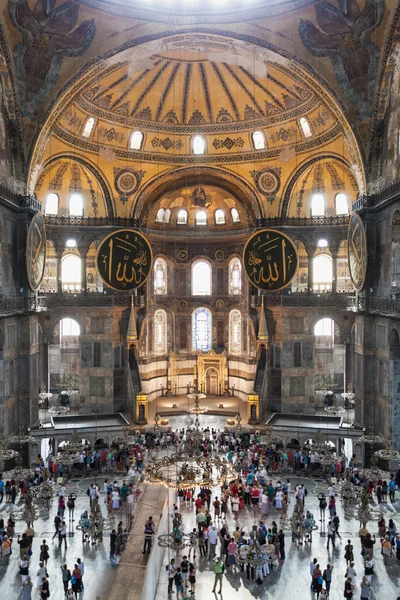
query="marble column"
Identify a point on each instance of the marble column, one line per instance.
(334, 254)
(310, 253)
(83, 274)
(58, 272)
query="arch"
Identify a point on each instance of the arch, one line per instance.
(90, 70)
(300, 169)
(317, 205)
(394, 344)
(160, 332)
(160, 276)
(201, 218)
(201, 329)
(341, 204)
(235, 332)
(212, 381)
(201, 278)
(182, 217)
(76, 205)
(69, 327)
(100, 443)
(235, 276)
(107, 193)
(232, 183)
(235, 215)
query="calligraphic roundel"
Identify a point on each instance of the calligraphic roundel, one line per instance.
(357, 252)
(270, 260)
(124, 260)
(35, 257)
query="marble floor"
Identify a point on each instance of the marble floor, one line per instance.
(291, 580)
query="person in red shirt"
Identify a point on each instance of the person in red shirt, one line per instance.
(255, 494)
(199, 504)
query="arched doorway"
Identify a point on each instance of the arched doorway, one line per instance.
(212, 382)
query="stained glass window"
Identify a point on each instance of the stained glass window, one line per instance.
(201, 278)
(235, 276)
(160, 276)
(235, 329)
(201, 329)
(160, 332)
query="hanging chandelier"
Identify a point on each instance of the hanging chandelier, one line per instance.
(349, 395)
(93, 526)
(371, 438)
(388, 453)
(269, 438)
(180, 471)
(28, 513)
(335, 409)
(364, 513)
(58, 410)
(253, 555)
(22, 437)
(44, 491)
(175, 540)
(373, 473)
(125, 439)
(7, 453)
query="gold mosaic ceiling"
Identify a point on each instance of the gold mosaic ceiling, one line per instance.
(182, 93)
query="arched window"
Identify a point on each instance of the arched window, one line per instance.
(219, 217)
(167, 215)
(160, 332)
(71, 272)
(71, 243)
(182, 217)
(201, 217)
(322, 243)
(318, 205)
(136, 140)
(160, 276)
(69, 327)
(235, 215)
(198, 144)
(201, 329)
(235, 332)
(87, 130)
(201, 278)
(160, 215)
(258, 140)
(76, 205)
(235, 276)
(305, 127)
(322, 272)
(342, 205)
(51, 206)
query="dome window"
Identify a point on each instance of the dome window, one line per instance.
(235, 215)
(201, 217)
(160, 215)
(182, 217)
(51, 206)
(219, 217)
(70, 243)
(258, 140)
(87, 130)
(322, 243)
(305, 127)
(136, 140)
(198, 145)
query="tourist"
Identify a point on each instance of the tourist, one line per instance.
(25, 545)
(71, 506)
(313, 564)
(44, 589)
(66, 576)
(368, 544)
(349, 554)
(392, 488)
(27, 586)
(81, 566)
(76, 579)
(113, 541)
(235, 507)
(192, 578)
(41, 574)
(171, 570)
(365, 588)
(386, 549)
(212, 540)
(336, 522)
(148, 535)
(193, 543)
(348, 588)
(185, 571)
(351, 572)
(369, 565)
(178, 584)
(219, 572)
(317, 580)
(331, 534)
(231, 560)
(62, 535)
(44, 553)
(57, 523)
(327, 577)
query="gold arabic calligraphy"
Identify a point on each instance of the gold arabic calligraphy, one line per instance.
(125, 264)
(270, 261)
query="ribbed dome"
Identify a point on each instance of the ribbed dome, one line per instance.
(197, 91)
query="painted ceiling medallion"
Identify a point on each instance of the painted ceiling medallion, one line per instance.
(268, 182)
(126, 182)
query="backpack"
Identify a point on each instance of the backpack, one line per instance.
(88, 492)
(305, 492)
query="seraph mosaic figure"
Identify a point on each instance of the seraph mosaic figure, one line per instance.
(344, 35)
(49, 35)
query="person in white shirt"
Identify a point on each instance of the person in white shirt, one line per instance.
(81, 566)
(213, 540)
(331, 492)
(62, 492)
